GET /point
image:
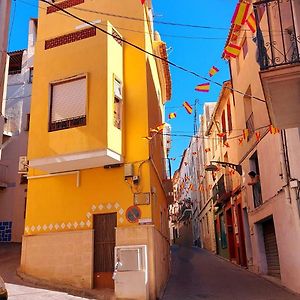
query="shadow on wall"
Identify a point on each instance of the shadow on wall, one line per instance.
(185, 235)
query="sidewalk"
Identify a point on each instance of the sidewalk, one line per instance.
(198, 274)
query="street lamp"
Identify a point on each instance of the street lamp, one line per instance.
(214, 168)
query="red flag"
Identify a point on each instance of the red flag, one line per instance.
(143, 1)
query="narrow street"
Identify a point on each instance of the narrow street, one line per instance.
(198, 274)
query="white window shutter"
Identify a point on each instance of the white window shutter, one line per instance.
(68, 100)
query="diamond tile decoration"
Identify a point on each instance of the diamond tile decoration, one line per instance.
(100, 206)
(75, 224)
(82, 224)
(32, 228)
(94, 207)
(39, 227)
(69, 225)
(50, 226)
(108, 206)
(121, 220)
(117, 205)
(88, 215)
(121, 211)
(88, 223)
(63, 225)
(56, 226)
(45, 227)
(27, 229)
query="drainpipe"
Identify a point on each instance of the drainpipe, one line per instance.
(285, 166)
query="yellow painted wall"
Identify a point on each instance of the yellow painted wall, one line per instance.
(57, 200)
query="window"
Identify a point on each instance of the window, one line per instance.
(229, 119)
(68, 104)
(30, 75)
(27, 122)
(117, 103)
(249, 117)
(245, 47)
(255, 183)
(224, 129)
(15, 62)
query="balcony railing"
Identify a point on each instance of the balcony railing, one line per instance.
(222, 189)
(250, 126)
(277, 38)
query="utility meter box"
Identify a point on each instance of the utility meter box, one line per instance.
(131, 272)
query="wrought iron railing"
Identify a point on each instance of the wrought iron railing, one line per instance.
(277, 35)
(250, 126)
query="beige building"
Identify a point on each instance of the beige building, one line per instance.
(273, 207)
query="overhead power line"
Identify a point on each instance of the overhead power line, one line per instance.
(149, 53)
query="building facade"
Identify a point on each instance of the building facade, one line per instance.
(16, 108)
(97, 174)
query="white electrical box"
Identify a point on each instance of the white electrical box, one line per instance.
(23, 164)
(131, 272)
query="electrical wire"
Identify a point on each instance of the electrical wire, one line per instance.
(184, 69)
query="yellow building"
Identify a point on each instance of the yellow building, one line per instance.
(94, 181)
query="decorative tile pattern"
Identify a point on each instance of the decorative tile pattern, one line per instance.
(75, 225)
(5, 231)
(63, 5)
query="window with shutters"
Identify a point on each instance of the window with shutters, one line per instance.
(68, 103)
(117, 103)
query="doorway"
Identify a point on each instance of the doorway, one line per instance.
(104, 244)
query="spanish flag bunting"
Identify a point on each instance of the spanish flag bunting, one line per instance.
(251, 23)
(143, 1)
(191, 187)
(188, 107)
(185, 163)
(172, 115)
(240, 14)
(237, 28)
(232, 50)
(207, 150)
(194, 153)
(240, 141)
(161, 127)
(221, 134)
(226, 144)
(149, 138)
(273, 130)
(257, 135)
(213, 71)
(245, 133)
(234, 37)
(204, 87)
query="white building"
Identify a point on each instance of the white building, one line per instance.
(16, 110)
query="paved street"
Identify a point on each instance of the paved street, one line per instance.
(197, 274)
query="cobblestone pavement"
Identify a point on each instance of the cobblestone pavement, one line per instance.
(197, 274)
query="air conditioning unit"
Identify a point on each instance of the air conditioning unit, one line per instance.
(23, 165)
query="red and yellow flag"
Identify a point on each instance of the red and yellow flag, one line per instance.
(172, 115)
(257, 135)
(213, 71)
(251, 23)
(232, 50)
(273, 130)
(245, 133)
(226, 144)
(240, 141)
(161, 127)
(221, 134)
(143, 1)
(207, 150)
(204, 87)
(188, 107)
(240, 14)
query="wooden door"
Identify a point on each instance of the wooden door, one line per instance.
(104, 244)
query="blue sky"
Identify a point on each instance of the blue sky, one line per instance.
(198, 54)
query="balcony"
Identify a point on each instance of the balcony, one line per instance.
(222, 189)
(278, 54)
